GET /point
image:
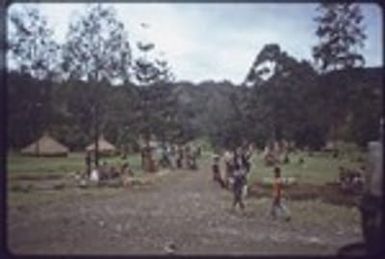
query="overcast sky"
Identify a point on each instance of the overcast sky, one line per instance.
(220, 41)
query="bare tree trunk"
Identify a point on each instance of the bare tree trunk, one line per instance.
(96, 136)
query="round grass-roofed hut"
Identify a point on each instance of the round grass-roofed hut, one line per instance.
(45, 146)
(104, 147)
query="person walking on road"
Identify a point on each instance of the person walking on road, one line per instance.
(228, 159)
(239, 181)
(217, 171)
(277, 204)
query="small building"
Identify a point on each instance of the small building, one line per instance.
(104, 147)
(45, 146)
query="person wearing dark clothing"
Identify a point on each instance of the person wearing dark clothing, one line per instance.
(239, 172)
(228, 157)
(199, 152)
(244, 158)
(215, 168)
(165, 161)
(239, 181)
(194, 157)
(189, 157)
(88, 164)
(193, 163)
(103, 171)
(216, 171)
(179, 159)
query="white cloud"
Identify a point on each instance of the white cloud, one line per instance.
(219, 41)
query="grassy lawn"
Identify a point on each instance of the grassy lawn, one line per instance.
(23, 190)
(317, 169)
(17, 164)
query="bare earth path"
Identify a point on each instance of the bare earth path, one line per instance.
(184, 207)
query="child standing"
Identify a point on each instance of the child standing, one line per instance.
(228, 157)
(216, 170)
(88, 164)
(239, 181)
(245, 157)
(277, 196)
(179, 158)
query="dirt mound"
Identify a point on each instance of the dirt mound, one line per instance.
(329, 193)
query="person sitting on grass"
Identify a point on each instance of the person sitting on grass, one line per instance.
(113, 172)
(95, 175)
(103, 171)
(126, 174)
(126, 170)
(277, 196)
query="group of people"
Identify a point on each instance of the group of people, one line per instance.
(179, 156)
(237, 170)
(351, 180)
(167, 156)
(106, 171)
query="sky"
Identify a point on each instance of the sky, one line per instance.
(219, 41)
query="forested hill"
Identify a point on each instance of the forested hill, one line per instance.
(221, 112)
(356, 94)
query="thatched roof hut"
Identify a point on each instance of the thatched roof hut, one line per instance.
(45, 146)
(104, 147)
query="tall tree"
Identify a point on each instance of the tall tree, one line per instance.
(97, 51)
(341, 35)
(157, 115)
(97, 46)
(31, 48)
(281, 89)
(33, 51)
(157, 106)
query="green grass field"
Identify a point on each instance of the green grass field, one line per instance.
(17, 164)
(317, 169)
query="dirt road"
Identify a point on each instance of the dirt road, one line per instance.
(185, 208)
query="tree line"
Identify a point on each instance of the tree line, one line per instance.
(92, 85)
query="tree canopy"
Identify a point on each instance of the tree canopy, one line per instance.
(92, 84)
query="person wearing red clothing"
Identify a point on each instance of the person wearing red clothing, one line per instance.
(277, 204)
